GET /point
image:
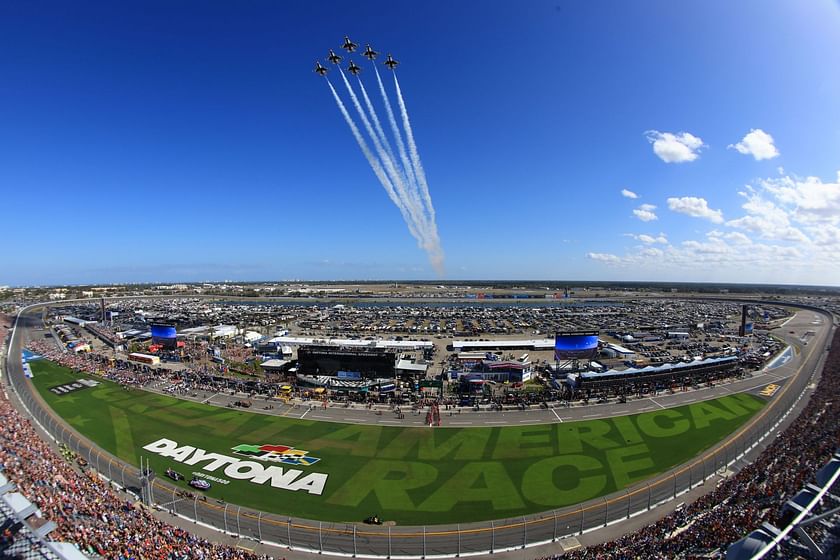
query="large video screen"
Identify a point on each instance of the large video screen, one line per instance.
(575, 345)
(163, 332)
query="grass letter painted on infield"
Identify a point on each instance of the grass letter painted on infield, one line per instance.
(346, 472)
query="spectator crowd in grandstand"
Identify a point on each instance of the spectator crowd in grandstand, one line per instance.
(88, 512)
(742, 502)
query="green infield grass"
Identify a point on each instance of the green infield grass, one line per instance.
(346, 472)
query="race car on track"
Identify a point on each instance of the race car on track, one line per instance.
(200, 483)
(174, 475)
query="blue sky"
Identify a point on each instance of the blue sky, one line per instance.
(178, 141)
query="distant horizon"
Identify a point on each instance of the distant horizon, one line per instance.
(555, 284)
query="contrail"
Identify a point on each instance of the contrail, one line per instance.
(409, 186)
(409, 171)
(405, 199)
(435, 251)
(404, 180)
(376, 123)
(415, 156)
(374, 163)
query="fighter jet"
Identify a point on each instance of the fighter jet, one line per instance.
(320, 70)
(391, 63)
(370, 53)
(349, 45)
(334, 58)
(353, 69)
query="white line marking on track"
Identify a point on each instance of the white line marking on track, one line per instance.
(208, 398)
(555, 414)
(308, 410)
(657, 404)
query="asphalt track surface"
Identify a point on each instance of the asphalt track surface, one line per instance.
(791, 380)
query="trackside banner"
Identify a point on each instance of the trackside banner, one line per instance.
(256, 473)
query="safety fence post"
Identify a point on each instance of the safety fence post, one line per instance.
(606, 511)
(628, 504)
(492, 536)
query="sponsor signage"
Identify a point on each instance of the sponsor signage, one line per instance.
(276, 454)
(75, 386)
(252, 471)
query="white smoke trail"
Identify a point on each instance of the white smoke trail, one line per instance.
(377, 125)
(406, 201)
(435, 250)
(409, 191)
(415, 156)
(374, 163)
(409, 171)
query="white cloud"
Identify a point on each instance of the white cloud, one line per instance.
(788, 230)
(766, 219)
(650, 240)
(604, 258)
(696, 208)
(813, 200)
(758, 144)
(738, 238)
(628, 194)
(675, 148)
(646, 213)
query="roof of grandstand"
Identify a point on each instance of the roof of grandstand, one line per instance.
(310, 341)
(536, 344)
(656, 369)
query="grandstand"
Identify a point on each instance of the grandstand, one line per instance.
(663, 376)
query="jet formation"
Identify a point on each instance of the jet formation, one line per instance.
(393, 158)
(351, 47)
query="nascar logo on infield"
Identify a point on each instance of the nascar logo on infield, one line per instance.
(276, 454)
